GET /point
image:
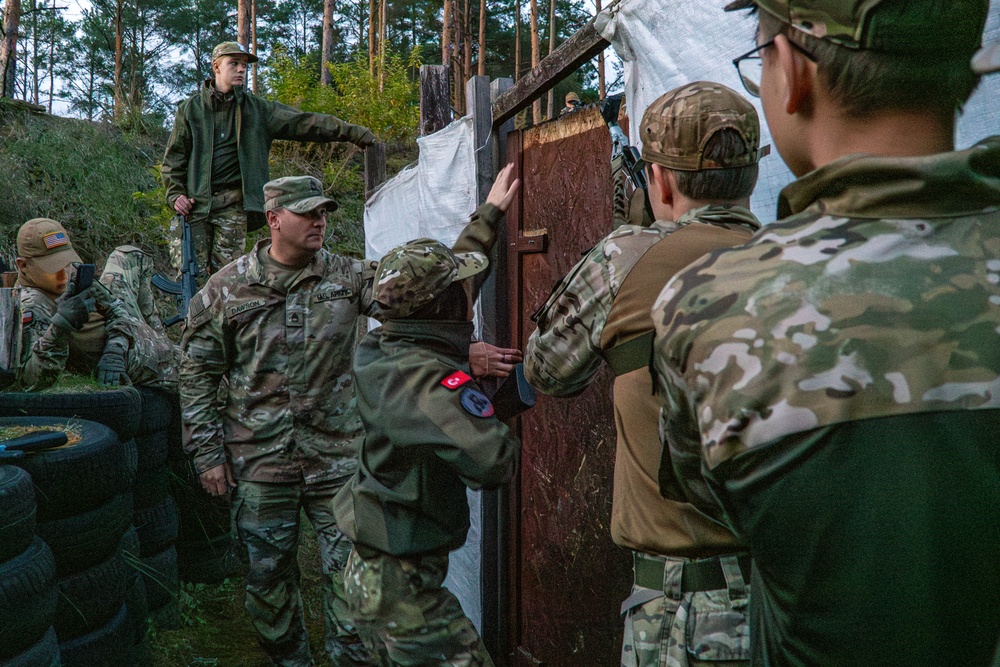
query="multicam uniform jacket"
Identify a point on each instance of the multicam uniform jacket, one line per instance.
(285, 361)
(837, 381)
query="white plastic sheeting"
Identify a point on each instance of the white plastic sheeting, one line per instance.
(664, 44)
(434, 198)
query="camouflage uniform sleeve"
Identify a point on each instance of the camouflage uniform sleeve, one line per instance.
(479, 236)
(285, 122)
(175, 159)
(619, 203)
(365, 270)
(44, 346)
(564, 353)
(204, 363)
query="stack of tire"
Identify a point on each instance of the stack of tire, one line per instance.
(156, 516)
(84, 514)
(28, 593)
(206, 552)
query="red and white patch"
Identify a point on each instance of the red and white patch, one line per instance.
(26, 317)
(55, 239)
(455, 380)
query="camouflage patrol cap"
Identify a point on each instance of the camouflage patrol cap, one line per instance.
(232, 49)
(677, 125)
(299, 194)
(47, 244)
(952, 29)
(412, 275)
(572, 97)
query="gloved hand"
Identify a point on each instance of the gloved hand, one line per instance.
(111, 367)
(366, 139)
(72, 311)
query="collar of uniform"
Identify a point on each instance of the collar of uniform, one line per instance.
(453, 338)
(721, 215)
(208, 93)
(865, 186)
(257, 274)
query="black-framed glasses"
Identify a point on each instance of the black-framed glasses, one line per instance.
(750, 66)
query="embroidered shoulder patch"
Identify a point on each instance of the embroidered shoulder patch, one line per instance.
(26, 317)
(476, 403)
(455, 380)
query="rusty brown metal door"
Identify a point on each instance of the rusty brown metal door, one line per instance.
(566, 577)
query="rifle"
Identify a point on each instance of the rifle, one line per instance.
(629, 154)
(185, 289)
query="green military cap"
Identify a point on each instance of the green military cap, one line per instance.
(678, 124)
(412, 275)
(232, 49)
(299, 194)
(47, 244)
(951, 29)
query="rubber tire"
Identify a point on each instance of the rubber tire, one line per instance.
(152, 449)
(82, 477)
(82, 541)
(138, 608)
(43, 653)
(158, 408)
(209, 562)
(202, 516)
(91, 598)
(17, 511)
(119, 409)
(28, 597)
(152, 490)
(159, 575)
(157, 526)
(108, 646)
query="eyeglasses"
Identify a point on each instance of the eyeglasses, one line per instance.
(750, 66)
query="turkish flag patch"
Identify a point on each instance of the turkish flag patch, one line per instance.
(455, 380)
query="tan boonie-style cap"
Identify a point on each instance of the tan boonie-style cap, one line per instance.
(46, 243)
(412, 275)
(299, 194)
(232, 49)
(676, 127)
(950, 30)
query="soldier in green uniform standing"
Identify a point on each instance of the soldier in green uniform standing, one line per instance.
(701, 146)
(833, 384)
(216, 162)
(278, 327)
(92, 332)
(430, 432)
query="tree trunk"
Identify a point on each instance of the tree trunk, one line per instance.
(325, 76)
(467, 33)
(119, 104)
(371, 36)
(253, 37)
(536, 107)
(34, 52)
(8, 47)
(517, 40)
(602, 88)
(243, 22)
(482, 38)
(446, 35)
(552, 47)
(382, 41)
(52, 57)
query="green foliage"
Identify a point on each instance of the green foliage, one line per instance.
(391, 108)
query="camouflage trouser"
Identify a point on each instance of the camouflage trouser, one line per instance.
(152, 358)
(406, 617)
(267, 522)
(218, 239)
(670, 628)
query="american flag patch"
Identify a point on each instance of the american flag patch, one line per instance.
(55, 239)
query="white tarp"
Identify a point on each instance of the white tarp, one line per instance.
(434, 198)
(666, 44)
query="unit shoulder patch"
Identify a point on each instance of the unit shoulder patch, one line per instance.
(475, 403)
(455, 380)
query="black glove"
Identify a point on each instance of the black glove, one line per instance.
(111, 367)
(72, 312)
(366, 139)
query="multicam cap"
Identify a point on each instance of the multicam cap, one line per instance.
(47, 244)
(676, 127)
(232, 49)
(299, 194)
(572, 97)
(953, 29)
(412, 275)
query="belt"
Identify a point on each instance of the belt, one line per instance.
(696, 576)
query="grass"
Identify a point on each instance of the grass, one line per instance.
(73, 433)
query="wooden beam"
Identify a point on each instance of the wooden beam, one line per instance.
(559, 64)
(435, 98)
(374, 168)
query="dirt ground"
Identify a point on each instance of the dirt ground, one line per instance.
(215, 629)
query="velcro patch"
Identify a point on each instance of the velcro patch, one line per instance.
(245, 306)
(331, 293)
(476, 403)
(455, 380)
(55, 239)
(26, 317)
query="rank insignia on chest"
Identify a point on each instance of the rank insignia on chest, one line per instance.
(476, 403)
(455, 380)
(26, 317)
